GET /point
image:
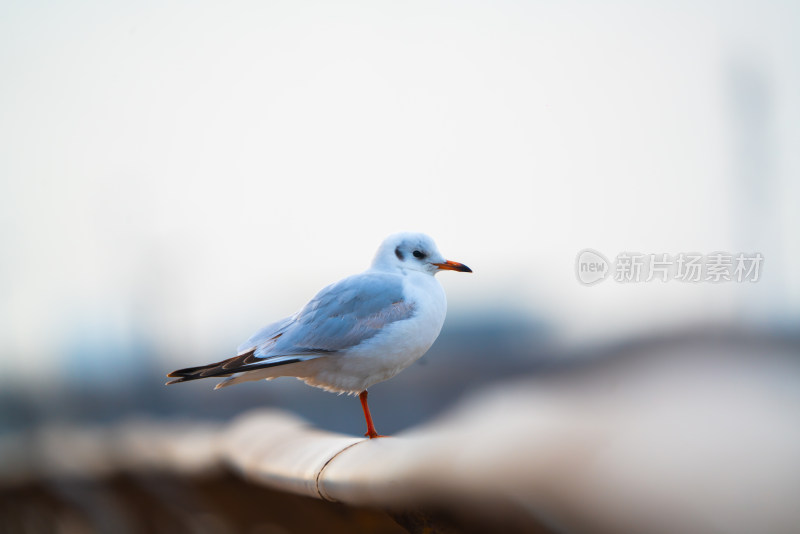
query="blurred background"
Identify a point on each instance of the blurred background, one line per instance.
(176, 175)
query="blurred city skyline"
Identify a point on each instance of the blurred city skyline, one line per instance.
(175, 177)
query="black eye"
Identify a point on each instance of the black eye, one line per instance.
(419, 255)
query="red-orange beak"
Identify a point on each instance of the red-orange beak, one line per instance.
(453, 266)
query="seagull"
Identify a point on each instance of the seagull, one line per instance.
(359, 331)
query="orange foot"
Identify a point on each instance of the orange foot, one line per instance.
(371, 433)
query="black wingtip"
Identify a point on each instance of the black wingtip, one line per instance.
(237, 364)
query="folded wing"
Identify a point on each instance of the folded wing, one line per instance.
(340, 317)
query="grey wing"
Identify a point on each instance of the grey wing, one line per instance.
(343, 315)
(264, 339)
(340, 317)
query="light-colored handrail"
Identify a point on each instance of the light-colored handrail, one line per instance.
(700, 440)
(282, 451)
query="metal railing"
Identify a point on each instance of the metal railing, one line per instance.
(689, 439)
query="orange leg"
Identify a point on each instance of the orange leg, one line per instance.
(370, 427)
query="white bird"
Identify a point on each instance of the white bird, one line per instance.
(354, 333)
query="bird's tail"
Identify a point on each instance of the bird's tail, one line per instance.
(223, 368)
(247, 361)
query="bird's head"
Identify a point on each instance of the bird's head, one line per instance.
(415, 252)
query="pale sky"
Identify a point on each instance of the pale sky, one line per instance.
(195, 170)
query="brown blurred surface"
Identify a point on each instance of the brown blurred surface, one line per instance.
(219, 504)
(168, 504)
